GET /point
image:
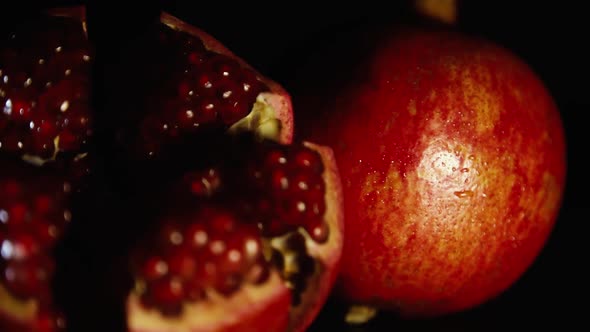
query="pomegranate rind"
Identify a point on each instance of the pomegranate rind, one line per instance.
(278, 98)
(328, 254)
(262, 307)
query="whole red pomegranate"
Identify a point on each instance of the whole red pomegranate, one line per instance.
(452, 155)
(201, 214)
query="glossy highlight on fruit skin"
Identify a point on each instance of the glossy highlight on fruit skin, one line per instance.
(452, 156)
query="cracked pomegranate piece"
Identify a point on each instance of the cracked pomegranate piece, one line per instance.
(258, 250)
(185, 84)
(44, 88)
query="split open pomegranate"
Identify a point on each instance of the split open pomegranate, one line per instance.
(247, 242)
(186, 84)
(239, 228)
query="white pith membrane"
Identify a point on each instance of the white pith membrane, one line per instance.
(262, 303)
(38, 161)
(271, 115)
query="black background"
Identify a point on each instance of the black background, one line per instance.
(550, 36)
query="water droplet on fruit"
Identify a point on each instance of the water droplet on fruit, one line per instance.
(463, 193)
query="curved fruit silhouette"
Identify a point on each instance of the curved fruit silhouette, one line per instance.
(452, 155)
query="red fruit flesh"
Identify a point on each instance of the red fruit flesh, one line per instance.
(44, 88)
(453, 158)
(235, 259)
(35, 210)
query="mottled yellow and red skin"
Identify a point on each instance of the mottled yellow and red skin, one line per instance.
(452, 156)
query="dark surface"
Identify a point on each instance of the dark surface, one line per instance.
(551, 37)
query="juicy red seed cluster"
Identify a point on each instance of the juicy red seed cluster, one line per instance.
(44, 88)
(281, 188)
(33, 215)
(290, 191)
(197, 253)
(203, 88)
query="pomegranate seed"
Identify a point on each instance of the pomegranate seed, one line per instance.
(196, 235)
(27, 279)
(49, 322)
(43, 204)
(224, 67)
(16, 215)
(185, 88)
(251, 85)
(319, 231)
(182, 264)
(275, 158)
(279, 181)
(11, 189)
(206, 110)
(228, 284)
(186, 118)
(205, 83)
(19, 246)
(308, 159)
(196, 58)
(168, 292)
(47, 233)
(154, 268)
(222, 223)
(172, 235)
